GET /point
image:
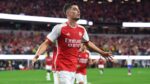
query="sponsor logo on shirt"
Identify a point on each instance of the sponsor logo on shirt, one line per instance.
(80, 34)
(68, 34)
(73, 42)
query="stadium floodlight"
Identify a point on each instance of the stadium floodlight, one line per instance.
(138, 0)
(37, 18)
(99, 2)
(85, 0)
(110, 1)
(136, 24)
(90, 23)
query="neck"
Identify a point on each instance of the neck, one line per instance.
(72, 23)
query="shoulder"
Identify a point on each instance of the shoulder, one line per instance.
(87, 51)
(60, 25)
(80, 26)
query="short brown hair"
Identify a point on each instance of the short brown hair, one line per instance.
(67, 6)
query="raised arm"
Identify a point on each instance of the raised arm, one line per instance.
(51, 37)
(95, 48)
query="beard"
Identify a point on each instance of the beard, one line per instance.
(76, 19)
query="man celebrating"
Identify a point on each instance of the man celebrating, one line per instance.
(68, 37)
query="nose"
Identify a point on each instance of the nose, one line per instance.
(78, 12)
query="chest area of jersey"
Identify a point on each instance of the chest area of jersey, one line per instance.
(71, 37)
(71, 33)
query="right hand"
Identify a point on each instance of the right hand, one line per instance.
(34, 59)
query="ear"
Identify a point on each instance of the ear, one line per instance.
(67, 12)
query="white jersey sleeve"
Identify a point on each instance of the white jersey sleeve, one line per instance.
(85, 36)
(52, 36)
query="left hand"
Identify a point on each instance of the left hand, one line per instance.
(108, 56)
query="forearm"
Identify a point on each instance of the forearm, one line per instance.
(42, 48)
(94, 47)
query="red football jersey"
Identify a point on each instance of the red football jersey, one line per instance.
(48, 61)
(67, 41)
(101, 62)
(83, 62)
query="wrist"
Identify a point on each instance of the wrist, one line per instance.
(37, 56)
(102, 52)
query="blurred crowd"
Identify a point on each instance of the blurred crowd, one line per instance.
(20, 43)
(107, 16)
(124, 45)
(27, 43)
(95, 10)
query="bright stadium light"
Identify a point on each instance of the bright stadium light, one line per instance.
(99, 2)
(37, 18)
(85, 0)
(110, 0)
(138, 0)
(122, 2)
(90, 23)
(136, 24)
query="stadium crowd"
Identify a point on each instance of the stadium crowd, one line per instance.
(95, 10)
(12, 43)
(26, 43)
